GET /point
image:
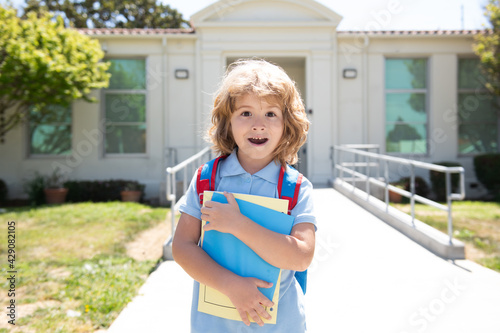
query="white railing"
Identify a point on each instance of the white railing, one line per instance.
(187, 167)
(352, 159)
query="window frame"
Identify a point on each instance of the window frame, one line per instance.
(102, 107)
(426, 91)
(475, 90)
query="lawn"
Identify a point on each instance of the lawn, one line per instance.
(476, 223)
(74, 273)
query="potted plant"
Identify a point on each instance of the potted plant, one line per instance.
(421, 188)
(132, 192)
(55, 192)
(394, 196)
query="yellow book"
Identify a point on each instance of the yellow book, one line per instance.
(233, 254)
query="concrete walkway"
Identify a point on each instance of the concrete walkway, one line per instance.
(365, 277)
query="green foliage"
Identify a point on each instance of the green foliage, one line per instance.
(42, 63)
(99, 191)
(487, 47)
(474, 222)
(487, 168)
(105, 284)
(34, 188)
(55, 179)
(438, 181)
(74, 258)
(492, 263)
(142, 14)
(421, 187)
(3, 191)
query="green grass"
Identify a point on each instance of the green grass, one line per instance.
(72, 264)
(476, 223)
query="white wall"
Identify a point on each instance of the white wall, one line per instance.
(344, 110)
(442, 54)
(170, 120)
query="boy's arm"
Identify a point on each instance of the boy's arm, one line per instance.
(242, 292)
(292, 252)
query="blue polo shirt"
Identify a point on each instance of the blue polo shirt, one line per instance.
(231, 177)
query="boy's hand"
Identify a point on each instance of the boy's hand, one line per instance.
(248, 300)
(222, 217)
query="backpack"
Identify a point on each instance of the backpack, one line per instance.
(288, 188)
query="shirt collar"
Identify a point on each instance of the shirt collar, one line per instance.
(232, 167)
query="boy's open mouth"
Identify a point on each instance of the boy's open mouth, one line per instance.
(258, 141)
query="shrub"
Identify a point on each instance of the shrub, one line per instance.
(421, 187)
(34, 188)
(3, 192)
(438, 180)
(98, 191)
(487, 168)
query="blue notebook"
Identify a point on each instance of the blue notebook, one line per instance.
(231, 253)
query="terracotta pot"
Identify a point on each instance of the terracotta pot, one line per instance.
(131, 196)
(55, 195)
(395, 197)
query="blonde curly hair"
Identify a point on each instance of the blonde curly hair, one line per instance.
(266, 80)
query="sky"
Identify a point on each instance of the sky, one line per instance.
(379, 14)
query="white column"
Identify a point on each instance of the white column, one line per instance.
(321, 133)
(212, 69)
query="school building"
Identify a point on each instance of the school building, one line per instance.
(414, 93)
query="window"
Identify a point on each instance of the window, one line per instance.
(477, 114)
(50, 130)
(406, 106)
(125, 107)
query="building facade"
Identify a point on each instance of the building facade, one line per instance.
(414, 93)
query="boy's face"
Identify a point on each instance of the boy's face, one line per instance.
(257, 127)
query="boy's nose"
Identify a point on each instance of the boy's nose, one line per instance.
(258, 124)
(258, 127)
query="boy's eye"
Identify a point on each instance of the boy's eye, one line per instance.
(271, 114)
(246, 114)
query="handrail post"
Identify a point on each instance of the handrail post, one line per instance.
(367, 178)
(448, 200)
(172, 205)
(172, 191)
(341, 165)
(386, 176)
(412, 197)
(353, 175)
(351, 164)
(184, 181)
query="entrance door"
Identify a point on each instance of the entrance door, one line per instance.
(295, 67)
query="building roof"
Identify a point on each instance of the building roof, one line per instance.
(134, 32)
(153, 32)
(410, 32)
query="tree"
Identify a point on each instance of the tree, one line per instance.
(42, 64)
(487, 47)
(111, 13)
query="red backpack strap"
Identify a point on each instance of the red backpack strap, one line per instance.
(289, 186)
(205, 176)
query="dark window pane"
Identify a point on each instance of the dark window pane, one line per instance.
(49, 139)
(477, 138)
(127, 74)
(405, 73)
(50, 114)
(123, 139)
(469, 74)
(476, 108)
(405, 107)
(125, 107)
